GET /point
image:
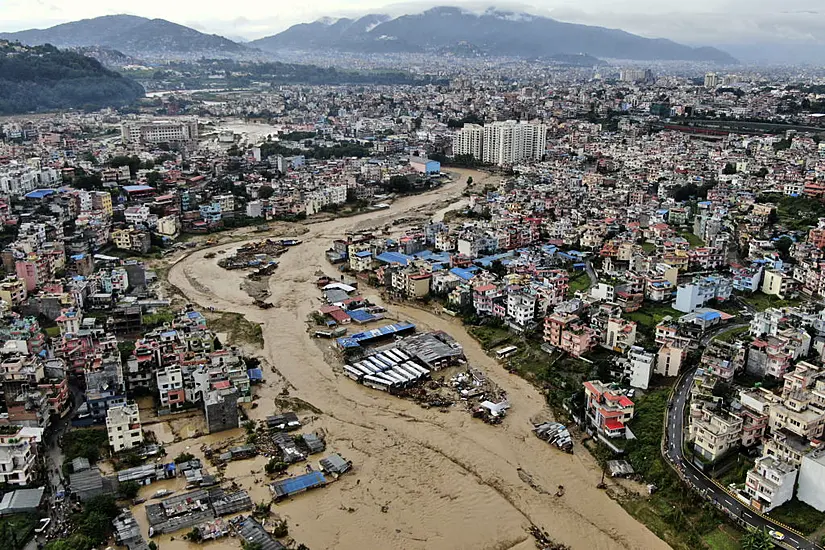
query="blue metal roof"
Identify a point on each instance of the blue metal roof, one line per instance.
(394, 258)
(297, 484)
(709, 315)
(133, 188)
(465, 274)
(255, 374)
(40, 193)
(361, 315)
(363, 254)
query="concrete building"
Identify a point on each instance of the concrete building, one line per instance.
(716, 434)
(469, 141)
(777, 283)
(124, 428)
(606, 410)
(159, 131)
(700, 291)
(639, 367)
(510, 142)
(812, 480)
(221, 410)
(170, 387)
(770, 483)
(669, 360)
(18, 453)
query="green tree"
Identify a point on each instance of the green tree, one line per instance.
(729, 169)
(129, 489)
(469, 180)
(265, 192)
(756, 539)
(783, 246)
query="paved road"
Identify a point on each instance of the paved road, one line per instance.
(594, 280)
(722, 330)
(703, 485)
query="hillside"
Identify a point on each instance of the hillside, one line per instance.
(493, 32)
(134, 36)
(43, 78)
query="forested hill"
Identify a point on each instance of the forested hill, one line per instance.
(43, 78)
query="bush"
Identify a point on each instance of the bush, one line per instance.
(275, 466)
(129, 489)
(183, 457)
(280, 529)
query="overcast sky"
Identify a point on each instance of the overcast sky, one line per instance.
(694, 21)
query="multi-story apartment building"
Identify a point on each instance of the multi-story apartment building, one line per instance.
(700, 291)
(159, 131)
(770, 483)
(170, 387)
(123, 427)
(469, 141)
(18, 454)
(715, 434)
(607, 411)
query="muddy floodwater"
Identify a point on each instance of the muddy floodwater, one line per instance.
(421, 478)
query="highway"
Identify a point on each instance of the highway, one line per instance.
(702, 484)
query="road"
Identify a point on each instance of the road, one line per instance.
(705, 340)
(701, 483)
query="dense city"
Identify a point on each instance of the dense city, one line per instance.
(468, 301)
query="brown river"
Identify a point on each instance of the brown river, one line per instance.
(421, 478)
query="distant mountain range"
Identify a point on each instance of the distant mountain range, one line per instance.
(134, 36)
(493, 32)
(438, 30)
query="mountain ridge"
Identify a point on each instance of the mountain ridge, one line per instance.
(496, 32)
(133, 35)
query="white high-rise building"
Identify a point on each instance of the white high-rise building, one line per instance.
(711, 80)
(510, 142)
(468, 141)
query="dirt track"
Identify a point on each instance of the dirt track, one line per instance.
(422, 479)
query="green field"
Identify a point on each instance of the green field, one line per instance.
(798, 515)
(763, 301)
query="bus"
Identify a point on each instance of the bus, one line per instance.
(412, 372)
(506, 352)
(418, 368)
(366, 368)
(392, 375)
(376, 383)
(408, 378)
(394, 355)
(401, 354)
(353, 373)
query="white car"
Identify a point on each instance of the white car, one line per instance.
(776, 534)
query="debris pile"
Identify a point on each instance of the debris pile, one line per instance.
(555, 434)
(258, 254)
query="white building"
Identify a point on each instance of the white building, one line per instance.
(18, 179)
(770, 483)
(159, 131)
(123, 427)
(510, 142)
(137, 214)
(639, 367)
(469, 141)
(696, 294)
(521, 308)
(18, 453)
(170, 387)
(812, 480)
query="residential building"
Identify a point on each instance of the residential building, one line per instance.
(715, 434)
(123, 427)
(700, 291)
(770, 483)
(670, 358)
(607, 410)
(18, 454)
(812, 480)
